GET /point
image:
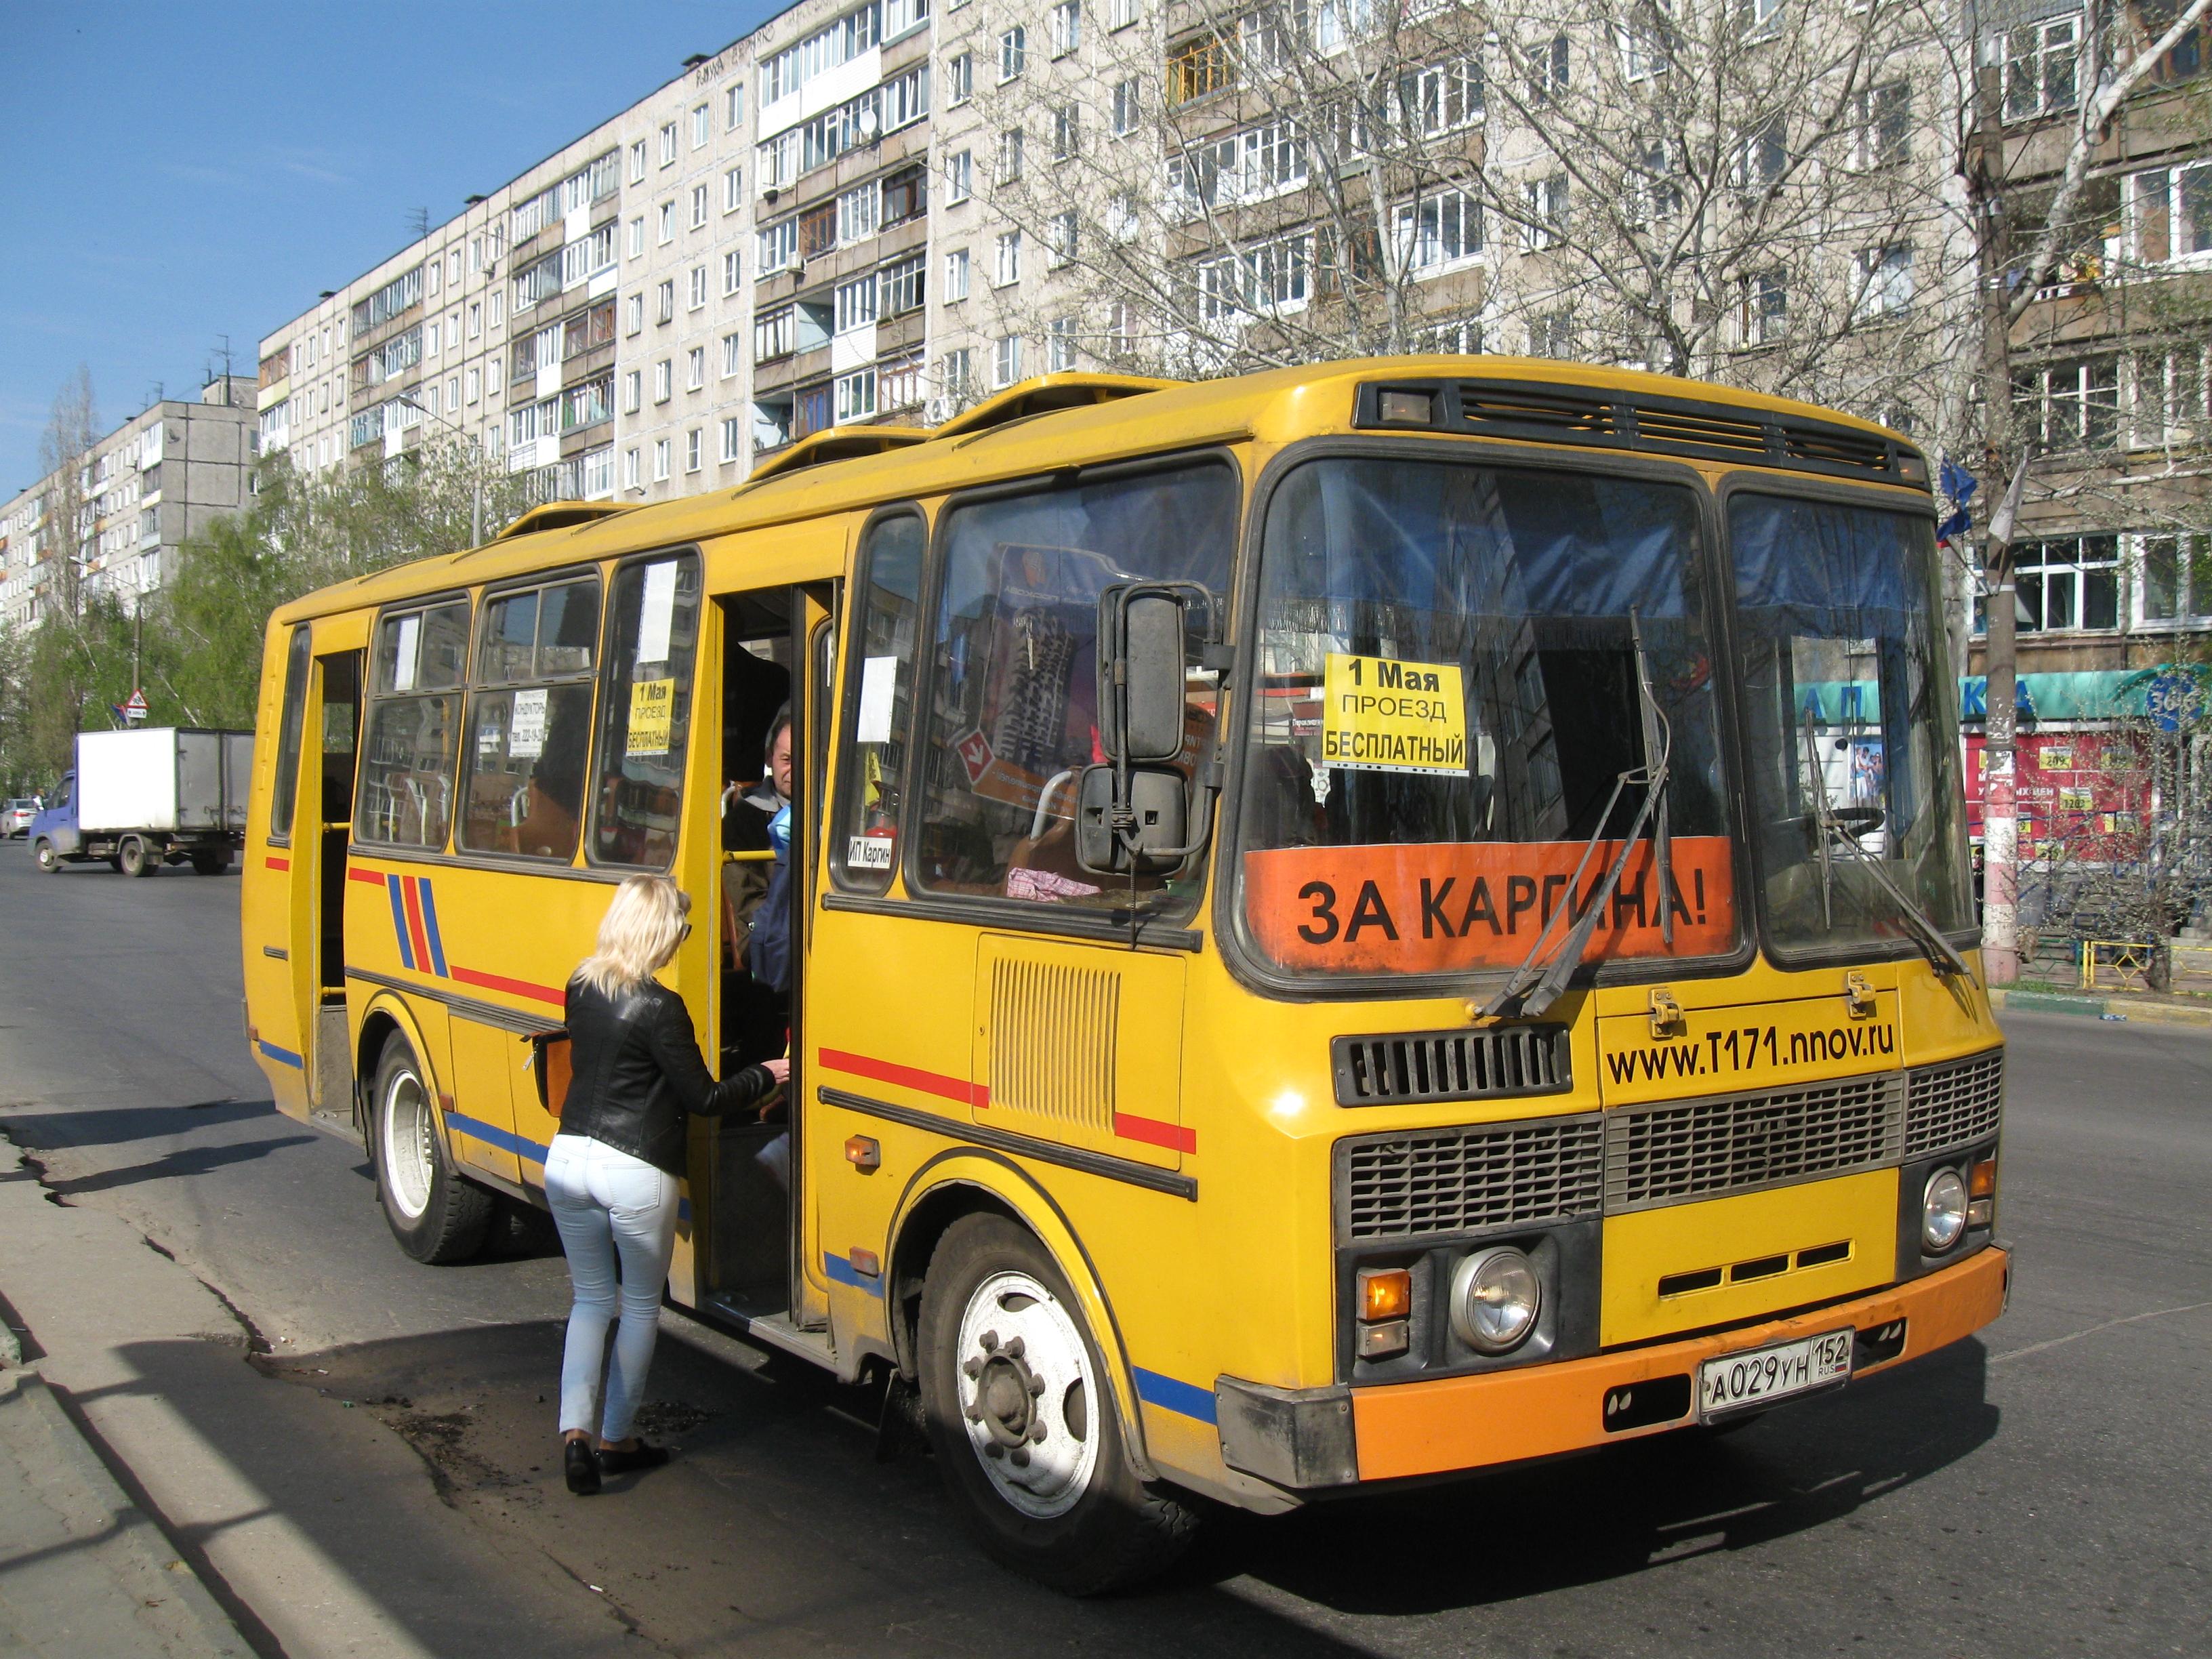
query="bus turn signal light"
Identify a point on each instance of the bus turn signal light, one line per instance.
(1384, 1293)
(1984, 1181)
(864, 1152)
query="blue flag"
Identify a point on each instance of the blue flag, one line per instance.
(1954, 526)
(1958, 483)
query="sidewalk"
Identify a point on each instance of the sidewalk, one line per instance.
(82, 1570)
(2144, 1007)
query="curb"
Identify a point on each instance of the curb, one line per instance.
(142, 1565)
(2111, 1008)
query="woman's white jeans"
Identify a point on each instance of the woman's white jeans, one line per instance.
(608, 1204)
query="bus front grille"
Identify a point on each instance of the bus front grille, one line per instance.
(1672, 1152)
(1407, 1067)
(1429, 1183)
(1951, 1105)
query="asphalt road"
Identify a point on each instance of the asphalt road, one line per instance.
(2044, 1490)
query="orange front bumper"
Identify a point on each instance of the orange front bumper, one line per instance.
(1468, 1422)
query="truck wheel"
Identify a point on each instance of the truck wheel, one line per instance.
(135, 858)
(49, 860)
(437, 1216)
(210, 864)
(1020, 1411)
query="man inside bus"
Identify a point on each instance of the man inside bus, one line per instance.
(757, 1008)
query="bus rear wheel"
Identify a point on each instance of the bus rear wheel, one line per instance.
(437, 1216)
(1020, 1412)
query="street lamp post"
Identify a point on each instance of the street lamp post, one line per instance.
(476, 479)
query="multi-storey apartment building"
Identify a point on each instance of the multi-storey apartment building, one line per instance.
(165, 474)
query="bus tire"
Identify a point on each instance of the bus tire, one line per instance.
(437, 1216)
(48, 859)
(1019, 1410)
(135, 858)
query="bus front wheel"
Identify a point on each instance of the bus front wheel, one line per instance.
(437, 1216)
(1021, 1414)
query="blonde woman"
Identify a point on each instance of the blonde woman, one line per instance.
(610, 1173)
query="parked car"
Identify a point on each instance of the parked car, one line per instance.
(15, 816)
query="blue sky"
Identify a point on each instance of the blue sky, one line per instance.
(173, 173)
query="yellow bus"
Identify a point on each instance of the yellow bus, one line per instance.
(1355, 924)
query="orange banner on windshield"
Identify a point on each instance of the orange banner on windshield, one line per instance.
(1438, 907)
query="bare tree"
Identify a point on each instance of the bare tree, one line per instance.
(72, 429)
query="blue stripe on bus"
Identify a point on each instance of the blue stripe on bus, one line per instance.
(399, 921)
(281, 1056)
(492, 1135)
(430, 927)
(845, 1273)
(1171, 1394)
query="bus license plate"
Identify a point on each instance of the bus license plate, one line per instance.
(1739, 1382)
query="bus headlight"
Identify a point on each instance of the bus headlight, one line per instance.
(1496, 1295)
(1942, 1212)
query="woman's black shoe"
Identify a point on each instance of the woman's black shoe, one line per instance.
(642, 1457)
(581, 1467)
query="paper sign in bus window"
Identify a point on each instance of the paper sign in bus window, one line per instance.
(410, 642)
(1382, 715)
(657, 616)
(525, 738)
(878, 676)
(652, 714)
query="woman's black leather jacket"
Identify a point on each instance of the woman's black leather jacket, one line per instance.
(636, 1073)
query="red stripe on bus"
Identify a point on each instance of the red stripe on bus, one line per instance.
(957, 1090)
(1153, 1132)
(373, 877)
(414, 903)
(275, 863)
(520, 988)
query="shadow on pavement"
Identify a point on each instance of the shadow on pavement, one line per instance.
(187, 1161)
(64, 1128)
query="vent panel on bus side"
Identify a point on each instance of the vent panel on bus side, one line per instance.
(1054, 1028)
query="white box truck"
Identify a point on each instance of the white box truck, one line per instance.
(162, 794)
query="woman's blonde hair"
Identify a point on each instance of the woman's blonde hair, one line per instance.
(643, 926)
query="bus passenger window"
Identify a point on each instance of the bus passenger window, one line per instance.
(879, 704)
(1017, 662)
(406, 794)
(287, 741)
(529, 742)
(645, 712)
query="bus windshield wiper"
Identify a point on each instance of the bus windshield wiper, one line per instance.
(1833, 834)
(1530, 991)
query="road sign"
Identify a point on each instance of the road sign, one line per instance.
(2169, 700)
(135, 709)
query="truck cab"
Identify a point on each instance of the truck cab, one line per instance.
(54, 837)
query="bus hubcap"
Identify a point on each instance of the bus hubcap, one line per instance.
(1026, 1393)
(407, 1149)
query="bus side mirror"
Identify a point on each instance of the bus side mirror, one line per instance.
(1140, 673)
(1155, 817)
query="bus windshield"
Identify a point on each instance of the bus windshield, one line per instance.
(1851, 737)
(1452, 728)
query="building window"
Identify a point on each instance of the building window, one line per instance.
(2173, 580)
(660, 460)
(1127, 106)
(476, 320)
(959, 176)
(1063, 232)
(698, 287)
(474, 379)
(733, 438)
(1006, 360)
(902, 285)
(1008, 169)
(958, 373)
(634, 313)
(778, 246)
(1551, 67)
(1269, 278)
(855, 396)
(1198, 68)
(1439, 232)
(636, 246)
(855, 304)
(668, 145)
(2169, 214)
(1066, 131)
(1446, 97)
(638, 163)
(733, 190)
(702, 127)
(906, 196)
(959, 78)
(692, 447)
(775, 334)
(665, 297)
(1013, 53)
(667, 232)
(698, 206)
(2042, 67)
(2067, 583)
(631, 479)
(733, 271)
(1766, 308)
(1886, 281)
(859, 213)
(1059, 345)
(633, 391)
(956, 275)
(2167, 401)
(1119, 14)
(1548, 206)
(696, 368)
(1007, 267)
(1885, 129)
(664, 380)
(734, 107)
(2069, 404)
(1066, 28)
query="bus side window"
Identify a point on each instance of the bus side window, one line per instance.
(529, 721)
(286, 792)
(879, 704)
(645, 711)
(406, 792)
